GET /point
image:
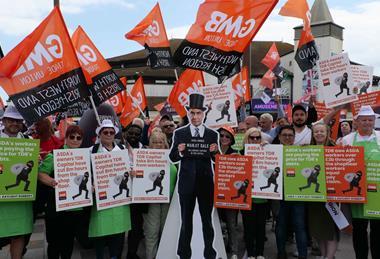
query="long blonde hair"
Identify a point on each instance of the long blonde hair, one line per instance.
(249, 132)
(160, 136)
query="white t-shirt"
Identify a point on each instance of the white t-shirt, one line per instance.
(349, 139)
(303, 137)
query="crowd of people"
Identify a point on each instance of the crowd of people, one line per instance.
(107, 229)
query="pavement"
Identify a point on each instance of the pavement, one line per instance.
(37, 246)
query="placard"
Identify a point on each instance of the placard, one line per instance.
(372, 207)
(304, 170)
(151, 183)
(266, 170)
(345, 174)
(18, 169)
(233, 182)
(111, 179)
(72, 172)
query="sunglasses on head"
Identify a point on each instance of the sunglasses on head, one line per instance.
(108, 132)
(72, 137)
(254, 137)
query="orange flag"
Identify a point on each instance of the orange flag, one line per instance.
(297, 8)
(190, 81)
(267, 79)
(134, 100)
(119, 100)
(99, 74)
(240, 86)
(42, 74)
(222, 31)
(273, 62)
(151, 34)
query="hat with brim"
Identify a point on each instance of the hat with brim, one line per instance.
(230, 131)
(106, 124)
(365, 110)
(196, 102)
(12, 113)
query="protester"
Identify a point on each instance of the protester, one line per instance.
(251, 121)
(16, 217)
(345, 128)
(254, 219)
(45, 133)
(294, 210)
(368, 138)
(132, 136)
(226, 141)
(108, 226)
(321, 225)
(60, 227)
(301, 120)
(242, 127)
(154, 219)
(167, 126)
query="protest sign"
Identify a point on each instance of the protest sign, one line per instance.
(42, 74)
(345, 174)
(304, 170)
(372, 99)
(238, 141)
(336, 80)
(152, 176)
(267, 170)
(372, 207)
(233, 182)
(362, 77)
(111, 179)
(18, 169)
(221, 106)
(72, 172)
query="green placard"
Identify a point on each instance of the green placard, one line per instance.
(304, 173)
(372, 207)
(18, 169)
(238, 141)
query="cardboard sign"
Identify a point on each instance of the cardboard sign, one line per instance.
(18, 169)
(336, 80)
(372, 207)
(221, 106)
(267, 170)
(152, 176)
(345, 174)
(362, 76)
(372, 99)
(233, 182)
(72, 171)
(111, 179)
(238, 141)
(304, 170)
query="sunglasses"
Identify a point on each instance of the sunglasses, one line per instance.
(169, 126)
(287, 135)
(225, 136)
(254, 137)
(78, 138)
(108, 132)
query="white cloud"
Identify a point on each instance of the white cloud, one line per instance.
(178, 32)
(20, 17)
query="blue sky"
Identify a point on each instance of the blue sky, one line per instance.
(106, 22)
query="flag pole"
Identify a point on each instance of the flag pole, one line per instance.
(1, 53)
(95, 110)
(176, 74)
(134, 100)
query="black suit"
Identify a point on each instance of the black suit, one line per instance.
(195, 182)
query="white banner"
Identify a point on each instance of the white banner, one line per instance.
(72, 171)
(266, 170)
(151, 183)
(362, 76)
(337, 215)
(111, 179)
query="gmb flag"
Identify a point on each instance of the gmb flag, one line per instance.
(151, 33)
(103, 81)
(221, 33)
(42, 74)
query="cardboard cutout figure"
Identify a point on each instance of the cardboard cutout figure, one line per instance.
(194, 148)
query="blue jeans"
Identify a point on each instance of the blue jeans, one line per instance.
(295, 210)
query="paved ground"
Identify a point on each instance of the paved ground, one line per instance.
(37, 246)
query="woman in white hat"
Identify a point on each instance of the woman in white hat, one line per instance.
(108, 226)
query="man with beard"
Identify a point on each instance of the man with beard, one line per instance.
(132, 136)
(301, 120)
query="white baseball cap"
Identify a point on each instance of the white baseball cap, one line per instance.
(12, 113)
(106, 124)
(365, 110)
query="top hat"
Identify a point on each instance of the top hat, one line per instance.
(196, 102)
